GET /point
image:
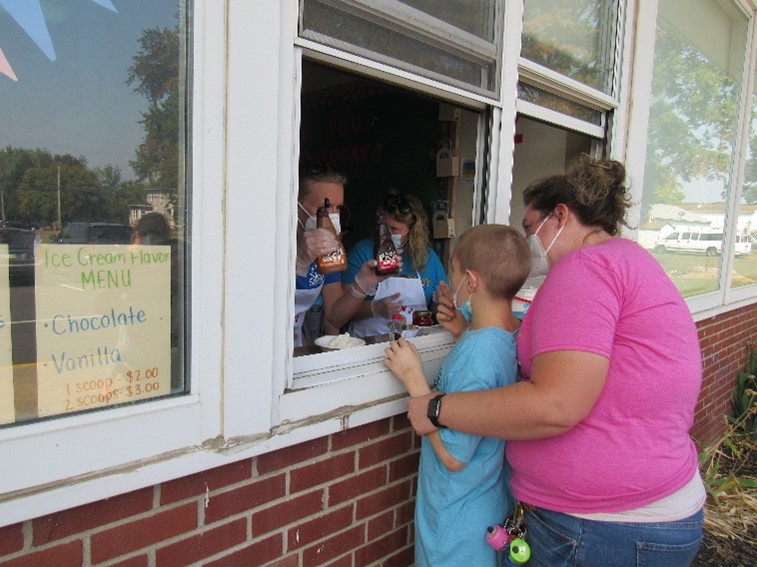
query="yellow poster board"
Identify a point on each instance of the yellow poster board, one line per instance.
(7, 400)
(103, 325)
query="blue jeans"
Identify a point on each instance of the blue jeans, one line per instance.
(560, 540)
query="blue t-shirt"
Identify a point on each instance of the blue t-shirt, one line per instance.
(314, 278)
(454, 509)
(430, 276)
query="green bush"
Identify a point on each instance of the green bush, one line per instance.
(744, 398)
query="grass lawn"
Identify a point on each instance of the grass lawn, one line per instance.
(695, 273)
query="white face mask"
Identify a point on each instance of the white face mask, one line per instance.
(397, 240)
(539, 260)
(312, 221)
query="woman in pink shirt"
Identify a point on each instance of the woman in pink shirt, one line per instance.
(597, 430)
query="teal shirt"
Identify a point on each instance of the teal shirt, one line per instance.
(454, 509)
(430, 276)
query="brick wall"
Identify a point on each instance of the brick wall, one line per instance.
(344, 500)
(724, 341)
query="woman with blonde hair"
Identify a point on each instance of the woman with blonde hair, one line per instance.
(422, 271)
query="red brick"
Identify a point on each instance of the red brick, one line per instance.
(358, 435)
(380, 525)
(245, 498)
(321, 472)
(64, 555)
(89, 516)
(383, 500)
(143, 532)
(203, 544)
(405, 514)
(402, 558)
(357, 485)
(136, 561)
(292, 560)
(333, 547)
(385, 449)
(306, 533)
(287, 512)
(343, 561)
(201, 483)
(404, 467)
(256, 553)
(377, 550)
(289, 456)
(11, 538)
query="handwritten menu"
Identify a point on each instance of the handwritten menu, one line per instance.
(7, 411)
(103, 325)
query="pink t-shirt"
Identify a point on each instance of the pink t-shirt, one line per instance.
(633, 448)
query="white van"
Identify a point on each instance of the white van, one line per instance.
(709, 242)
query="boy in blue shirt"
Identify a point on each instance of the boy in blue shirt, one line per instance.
(462, 479)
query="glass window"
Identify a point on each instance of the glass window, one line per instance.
(745, 262)
(457, 43)
(93, 200)
(696, 87)
(530, 93)
(576, 39)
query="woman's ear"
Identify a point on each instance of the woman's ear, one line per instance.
(561, 212)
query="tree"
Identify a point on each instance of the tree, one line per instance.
(692, 120)
(155, 72)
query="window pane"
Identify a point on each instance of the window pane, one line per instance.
(93, 202)
(696, 87)
(574, 38)
(745, 264)
(474, 16)
(557, 103)
(455, 43)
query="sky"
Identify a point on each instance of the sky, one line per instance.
(74, 99)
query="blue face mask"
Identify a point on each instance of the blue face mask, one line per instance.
(464, 309)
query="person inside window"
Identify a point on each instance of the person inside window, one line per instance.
(422, 271)
(317, 183)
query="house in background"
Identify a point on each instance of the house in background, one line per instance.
(157, 200)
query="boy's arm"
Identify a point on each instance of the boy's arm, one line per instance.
(403, 360)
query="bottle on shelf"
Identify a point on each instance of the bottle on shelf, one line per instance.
(395, 326)
(387, 258)
(335, 261)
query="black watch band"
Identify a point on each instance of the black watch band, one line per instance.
(434, 409)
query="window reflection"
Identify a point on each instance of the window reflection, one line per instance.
(575, 39)
(696, 88)
(93, 140)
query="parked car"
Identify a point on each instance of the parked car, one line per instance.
(20, 256)
(95, 233)
(707, 241)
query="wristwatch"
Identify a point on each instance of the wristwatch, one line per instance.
(434, 409)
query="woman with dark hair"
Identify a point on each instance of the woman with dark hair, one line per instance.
(598, 429)
(422, 271)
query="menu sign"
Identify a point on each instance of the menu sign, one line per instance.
(7, 410)
(103, 325)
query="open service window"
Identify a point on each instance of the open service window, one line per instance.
(408, 154)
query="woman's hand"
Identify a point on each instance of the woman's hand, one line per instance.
(447, 314)
(386, 306)
(367, 279)
(403, 359)
(417, 407)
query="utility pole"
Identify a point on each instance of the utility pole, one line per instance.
(60, 225)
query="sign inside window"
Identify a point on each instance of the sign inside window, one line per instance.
(103, 328)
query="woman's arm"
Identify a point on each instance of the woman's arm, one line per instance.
(563, 389)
